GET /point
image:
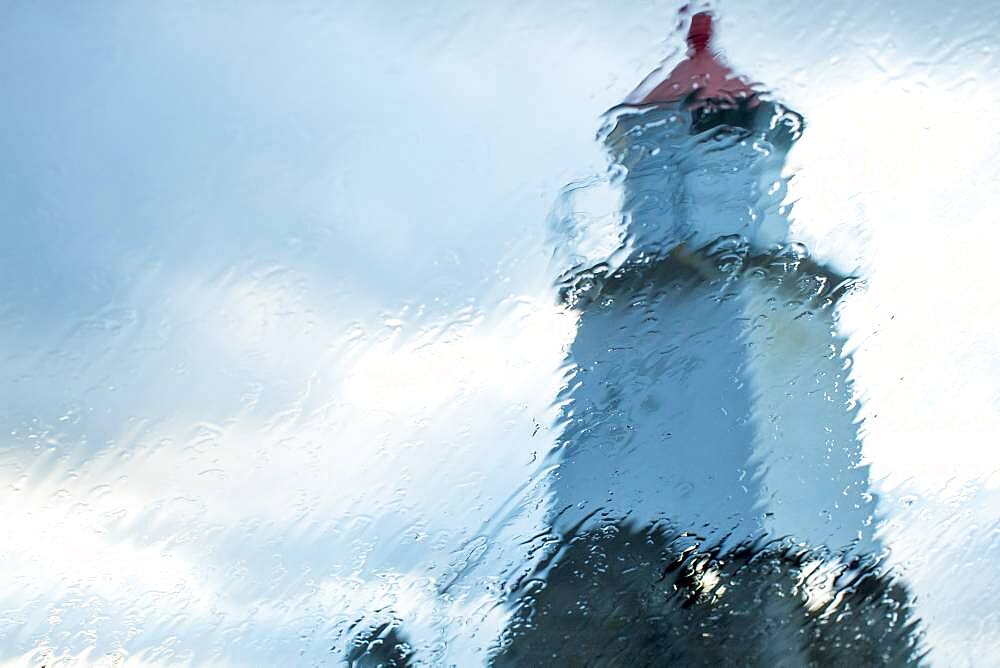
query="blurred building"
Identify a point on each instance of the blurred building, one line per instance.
(710, 505)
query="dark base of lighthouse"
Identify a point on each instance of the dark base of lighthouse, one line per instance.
(616, 597)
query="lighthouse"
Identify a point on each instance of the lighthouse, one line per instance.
(710, 391)
(708, 500)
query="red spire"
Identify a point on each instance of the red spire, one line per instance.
(700, 32)
(701, 72)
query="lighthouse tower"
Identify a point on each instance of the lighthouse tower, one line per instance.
(709, 498)
(710, 391)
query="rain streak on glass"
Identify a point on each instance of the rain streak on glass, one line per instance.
(332, 337)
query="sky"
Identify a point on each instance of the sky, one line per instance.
(278, 318)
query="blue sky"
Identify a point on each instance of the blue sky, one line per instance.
(276, 301)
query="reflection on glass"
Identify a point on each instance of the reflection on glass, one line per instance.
(293, 375)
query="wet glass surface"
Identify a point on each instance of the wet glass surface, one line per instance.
(333, 336)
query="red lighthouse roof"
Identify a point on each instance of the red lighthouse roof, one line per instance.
(701, 76)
